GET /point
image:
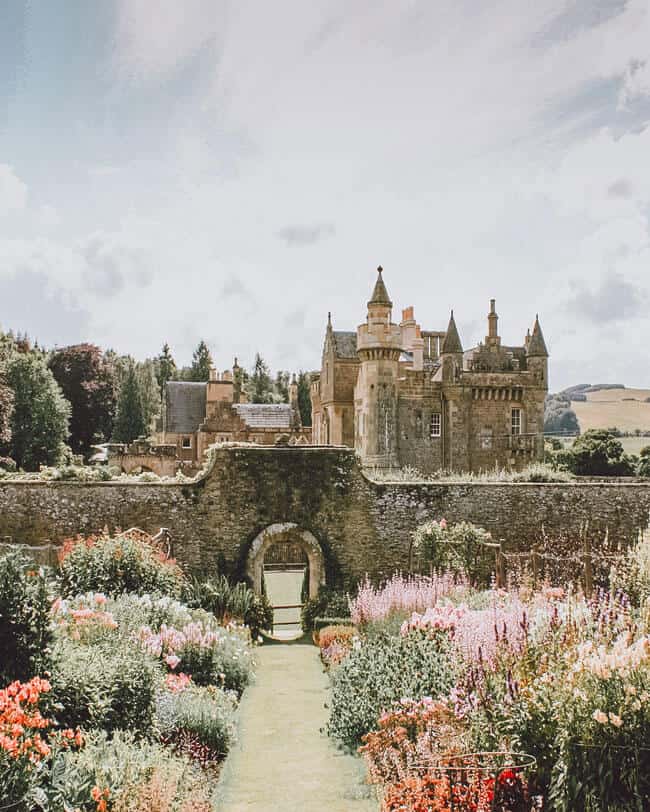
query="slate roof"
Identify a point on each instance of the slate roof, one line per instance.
(380, 294)
(537, 345)
(265, 415)
(345, 344)
(185, 406)
(451, 342)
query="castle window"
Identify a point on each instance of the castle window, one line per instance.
(436, 424)
(516, 421)
(187, 442)
(485, 438)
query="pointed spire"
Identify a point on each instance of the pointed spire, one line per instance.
(380, 294)
(537, 345)
(329, 322)
(451, 343)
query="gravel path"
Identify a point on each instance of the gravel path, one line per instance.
(282, 762)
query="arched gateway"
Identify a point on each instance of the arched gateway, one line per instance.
(281, 533)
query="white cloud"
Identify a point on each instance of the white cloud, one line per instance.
(13, 192)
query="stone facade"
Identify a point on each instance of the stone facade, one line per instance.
(403, 396)
(361, 526)
(197, 415)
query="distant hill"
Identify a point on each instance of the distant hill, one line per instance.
(606, 406)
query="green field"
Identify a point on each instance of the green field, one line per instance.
(283, 588)
(626, 409)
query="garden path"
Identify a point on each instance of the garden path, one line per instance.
(282, 761)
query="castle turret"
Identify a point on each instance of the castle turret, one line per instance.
(379, 346)
(451, 354)
(537, 354)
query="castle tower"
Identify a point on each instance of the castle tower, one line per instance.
(537, 355)
(493, 339)
(451, 353)
(379, 346)
(454, 412)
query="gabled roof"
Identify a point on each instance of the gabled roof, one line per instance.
(265, 415)
(345, 344)
(185, 406)
(537, 345)
(380, 294)
(451, 343)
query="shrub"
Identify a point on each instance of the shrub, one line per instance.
(129, 774)
(335, 643)
(218, 596)
(329, 603)
(113, 565)
(111, 685)
(211, 655)
(259, 616)
(25, 630)
(459, 548)
(380, 673)
(597, 452)
(198, 722)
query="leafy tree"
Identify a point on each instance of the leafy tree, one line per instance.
(304, 397)
(166, 367)
(88, 381)
(149, 391)
(201, 363)
(644, 462)
(39, 423)
(559, 417)
(597, 452)
(282, 386)
(260, 385)
(129, 421)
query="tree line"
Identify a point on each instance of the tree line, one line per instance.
(58, 403)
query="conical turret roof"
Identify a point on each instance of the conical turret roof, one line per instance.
(451, 343)
(537, 345)
(380, 294)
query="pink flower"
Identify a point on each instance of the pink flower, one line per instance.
(443, 524)
(172, 660)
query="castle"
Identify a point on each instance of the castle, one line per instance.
(403, 396)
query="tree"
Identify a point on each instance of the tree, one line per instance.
(149, 392)
(88, 381)
(282, 380)
(559, 417)
(597, 452)
(304, 397)
(644, 462)
(166, 368)
(201, 363)
(260, 386)
(129, 421)
(39, 423)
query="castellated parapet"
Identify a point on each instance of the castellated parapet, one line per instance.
(403, 396)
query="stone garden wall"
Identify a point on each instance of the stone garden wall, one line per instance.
(362, 526)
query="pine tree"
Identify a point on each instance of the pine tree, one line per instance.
(166, 367)
(201, 363)
(304, 397)
(149, 392)
(260, 385)
(282, 386)
(129, 421)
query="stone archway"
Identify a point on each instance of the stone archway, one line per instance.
(284, 531)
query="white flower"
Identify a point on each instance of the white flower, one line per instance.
(615, 720)
(600, 717)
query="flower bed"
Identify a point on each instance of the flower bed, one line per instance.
(139, 705)
(440, 670)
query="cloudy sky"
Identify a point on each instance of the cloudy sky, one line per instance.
(233, 170)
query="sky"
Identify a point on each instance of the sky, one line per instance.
(171, 171)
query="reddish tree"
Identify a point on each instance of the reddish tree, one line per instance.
(88, 381)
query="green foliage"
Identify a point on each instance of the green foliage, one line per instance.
(127, 766)
(559, 417)
(201, 363)
(165, 368)
(281, 386)
(260, 385)
(110, 685)
(206, 715)
(149, 393)
(330, 602)
(87, 378)
(462, 547)
(218, 596)
(39, 422)
(25, 630)
(259, 616)
(376, 676)
(644, 462)
(117, 565)
(597, 452)
(304, 397)
(130, 419)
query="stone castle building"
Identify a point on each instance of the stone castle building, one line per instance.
(403, 396)
(196, 415)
